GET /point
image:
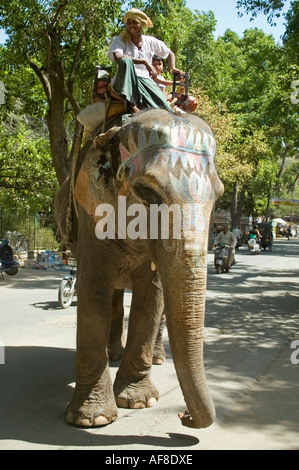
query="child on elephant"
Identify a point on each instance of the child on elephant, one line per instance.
(188, 105)
(158, 64)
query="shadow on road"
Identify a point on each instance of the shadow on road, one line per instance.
(252, 316)
(33, 277)
(35, 391)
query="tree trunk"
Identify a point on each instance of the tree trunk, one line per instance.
(56, 126)
(234, 204)
(237, 203)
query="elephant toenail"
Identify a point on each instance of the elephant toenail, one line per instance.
(100, 421)
(83, 421)
(151, 402)
(137, 405)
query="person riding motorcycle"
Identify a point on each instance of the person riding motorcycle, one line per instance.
(255, 233)
(227, 238)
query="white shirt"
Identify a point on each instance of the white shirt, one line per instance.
(150, 46)
(227, 238)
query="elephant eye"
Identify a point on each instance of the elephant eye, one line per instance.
(148, 194)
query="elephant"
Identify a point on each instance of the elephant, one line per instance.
(160, 166)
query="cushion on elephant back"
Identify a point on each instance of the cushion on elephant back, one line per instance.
(94, 115)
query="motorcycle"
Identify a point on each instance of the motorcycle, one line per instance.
(253, 245)
(221, 258)
(67, 289)
(7, 263)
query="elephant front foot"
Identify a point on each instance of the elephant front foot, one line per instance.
(89, 407)
(140, 394)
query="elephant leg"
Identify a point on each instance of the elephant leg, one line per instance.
(159, 353)
(116, 343)
(93, 402)
(132, 386)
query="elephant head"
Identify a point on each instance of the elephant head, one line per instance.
(164, 164)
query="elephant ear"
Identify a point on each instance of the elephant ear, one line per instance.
(94, 140)
(87, 192)
(108, 144)
(97, 171)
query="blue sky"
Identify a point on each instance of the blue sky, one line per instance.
(227, 17)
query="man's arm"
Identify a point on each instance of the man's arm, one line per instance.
(118, 56)
(171, 64)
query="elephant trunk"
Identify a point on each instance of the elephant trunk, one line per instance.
(184, 290)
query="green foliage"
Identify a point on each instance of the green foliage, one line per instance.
(27, 178)
(271, 8)
(60, 42)
(198, 51)
(291, 34)
(243, 85)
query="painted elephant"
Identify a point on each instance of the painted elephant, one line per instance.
(144, 194)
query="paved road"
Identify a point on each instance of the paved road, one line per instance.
(252, 319)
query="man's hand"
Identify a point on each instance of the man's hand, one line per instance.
(178, 72)
(152, 71)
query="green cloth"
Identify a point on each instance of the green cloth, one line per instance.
(141, 92)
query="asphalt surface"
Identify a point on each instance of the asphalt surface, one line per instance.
(252, 321)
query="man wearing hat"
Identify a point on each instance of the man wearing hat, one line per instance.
(133, 52)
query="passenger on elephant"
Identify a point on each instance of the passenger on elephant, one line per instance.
(228, 238)
(158, 65)
(133, 52)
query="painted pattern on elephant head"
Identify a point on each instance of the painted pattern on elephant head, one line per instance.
(179, 152)
(179, 158)
(170, 154)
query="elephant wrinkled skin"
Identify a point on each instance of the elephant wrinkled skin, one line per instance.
(155, 158)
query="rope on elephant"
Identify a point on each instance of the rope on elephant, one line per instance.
(79, 157)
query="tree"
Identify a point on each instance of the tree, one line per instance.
(48, 66)
(199, 52)
(271, 8)
(166, 16)
(62, 43)
(254, 75)
(290, 37)
(27, 178)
